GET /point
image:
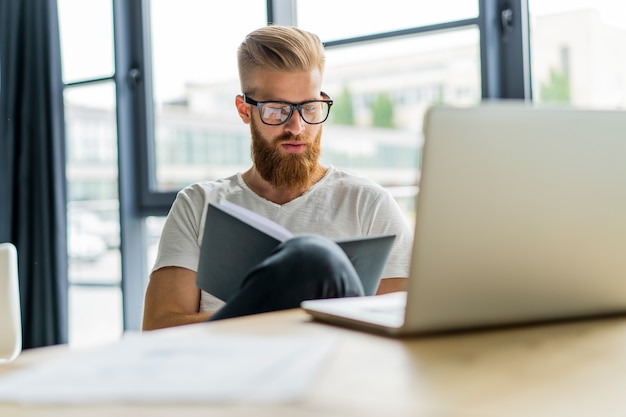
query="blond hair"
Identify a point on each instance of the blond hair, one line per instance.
(280, 48)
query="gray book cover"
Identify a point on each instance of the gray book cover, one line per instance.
(236, 240)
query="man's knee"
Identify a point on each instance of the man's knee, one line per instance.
(316, 261)
(314, 250)
(303, 268)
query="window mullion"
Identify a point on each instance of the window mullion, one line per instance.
(132, 138)
(504, 44)
(282, 12)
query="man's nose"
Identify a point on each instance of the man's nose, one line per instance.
(295, 125)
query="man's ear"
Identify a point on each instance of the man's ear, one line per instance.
(242, 109)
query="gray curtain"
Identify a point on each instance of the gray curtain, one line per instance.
(32, 164)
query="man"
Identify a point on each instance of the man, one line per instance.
(280, 71)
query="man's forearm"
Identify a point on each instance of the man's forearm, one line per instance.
(164, 320)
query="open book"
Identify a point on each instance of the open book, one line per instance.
(237, 239)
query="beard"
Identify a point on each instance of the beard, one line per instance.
(281, 168)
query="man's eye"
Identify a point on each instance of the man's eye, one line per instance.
(272, 112)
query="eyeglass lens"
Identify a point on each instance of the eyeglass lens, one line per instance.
(276, 113)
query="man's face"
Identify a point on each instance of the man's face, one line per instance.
(288, 154)
(286, 159)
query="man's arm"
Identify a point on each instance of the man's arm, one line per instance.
(391, 285)
(172, 299)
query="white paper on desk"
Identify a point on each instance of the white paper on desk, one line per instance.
(154, 369)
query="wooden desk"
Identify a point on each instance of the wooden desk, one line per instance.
(569, 370)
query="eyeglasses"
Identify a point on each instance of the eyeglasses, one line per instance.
(275, 113)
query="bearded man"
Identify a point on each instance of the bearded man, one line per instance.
(280, 71)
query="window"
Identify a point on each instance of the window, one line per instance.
(381, 91)
(198, 134)
(332, 20)
(578, 67)
(161, 114)
(95, 296)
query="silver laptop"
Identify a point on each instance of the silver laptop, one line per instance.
(520, 218)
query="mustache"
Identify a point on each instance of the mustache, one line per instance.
(288, 137)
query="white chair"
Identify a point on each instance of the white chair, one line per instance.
(10, 319)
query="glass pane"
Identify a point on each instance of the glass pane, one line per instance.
(86, 29)
(332, 20)
(198, 133)
(95, 315)
(381, 91)
(92, 207)
(154, 227)
(577, 52)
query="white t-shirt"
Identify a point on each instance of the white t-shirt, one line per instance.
(341, 204)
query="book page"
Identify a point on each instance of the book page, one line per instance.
(256, 220)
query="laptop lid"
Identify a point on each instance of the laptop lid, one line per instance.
(520, 217)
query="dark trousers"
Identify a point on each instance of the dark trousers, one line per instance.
(303, 268)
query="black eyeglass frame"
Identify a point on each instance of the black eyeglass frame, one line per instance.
(293, 106)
